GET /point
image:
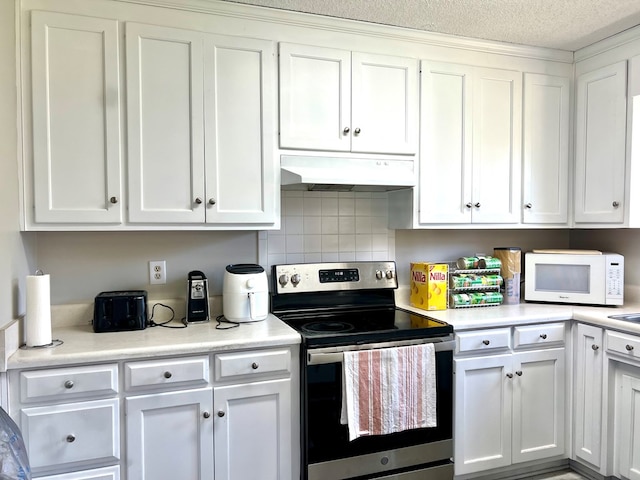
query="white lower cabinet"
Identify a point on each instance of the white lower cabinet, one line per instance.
(170, 435)
(587, 413)
(177, 421)
(253, 420)
(509, 404)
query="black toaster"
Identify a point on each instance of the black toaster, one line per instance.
(120, 311)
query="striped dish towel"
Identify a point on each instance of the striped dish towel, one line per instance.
(389, 390)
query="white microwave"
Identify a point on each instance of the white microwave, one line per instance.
(582, 278)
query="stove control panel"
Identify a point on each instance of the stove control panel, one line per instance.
(319, 277)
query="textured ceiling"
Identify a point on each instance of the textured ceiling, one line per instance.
(563, 24)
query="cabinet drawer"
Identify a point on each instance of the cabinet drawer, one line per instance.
(68, 382)
(70, 433)
(483, 340)
(624, 344)
(252, 363)
(193, 371)
(106, 473)
(538, 335)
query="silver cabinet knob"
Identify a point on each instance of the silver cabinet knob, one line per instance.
(543, 336)
(486, 342)
(528, 205)
(68, 384)
(594, 347)
(71, 438)
(206, 414)
(198, 200)
(469, 205)
(113, 200)
(519, 373)
(212, 201)
(356, 131)
(167, 374)
(629, 347)
(346, 130)
(615, 204)
(220, 413)
(509, 375)
(477, 205)
(255, 366)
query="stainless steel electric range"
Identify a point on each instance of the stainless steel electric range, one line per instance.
(339, 307)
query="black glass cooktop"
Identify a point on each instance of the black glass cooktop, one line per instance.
(364, 326)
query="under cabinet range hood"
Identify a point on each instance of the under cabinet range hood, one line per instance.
(346, 174)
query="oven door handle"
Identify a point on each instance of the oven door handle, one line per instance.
(323, 358)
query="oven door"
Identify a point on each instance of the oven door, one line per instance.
(328, 453)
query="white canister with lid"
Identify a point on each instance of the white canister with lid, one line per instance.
(245, 293)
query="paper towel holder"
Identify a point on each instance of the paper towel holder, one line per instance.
(54, 343)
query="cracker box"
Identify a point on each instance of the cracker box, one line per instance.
(429, 282)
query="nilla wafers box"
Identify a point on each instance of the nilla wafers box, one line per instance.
(429, 283)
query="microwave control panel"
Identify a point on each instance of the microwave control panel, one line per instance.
(614, 277)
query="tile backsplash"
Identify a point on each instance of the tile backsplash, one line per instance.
(329, 227)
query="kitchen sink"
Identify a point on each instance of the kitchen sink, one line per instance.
(629, 317)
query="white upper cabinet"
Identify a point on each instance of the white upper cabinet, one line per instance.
(545, 173)
(76, 119)
(165, 113)
(336, 100)
(470, 145)
(201, 127)
(601, 110)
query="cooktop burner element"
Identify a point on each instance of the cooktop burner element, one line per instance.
(346, 303)
(328, 327)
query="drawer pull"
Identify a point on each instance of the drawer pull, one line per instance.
(629, 347)
(220, 413)
(167, 374)
(543, 336)
(594, 347)
(486, 342)
(519, 373)
(509, 375)
(254, 365)
(68, 384)
(71, 438)
(206, 414)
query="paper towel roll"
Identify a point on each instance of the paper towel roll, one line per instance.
(38, 318)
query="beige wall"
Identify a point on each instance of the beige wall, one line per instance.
(15, 248)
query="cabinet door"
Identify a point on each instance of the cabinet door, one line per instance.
(601, 111)
(629, 439)
(587, 417)
(165, 123)
(445, 147)
(384, 113)
(253, 431)
(76, 118)
(497, 125)
(240, 129)
(315, 98)
(538, 404)
(170, 435)
(546, 149)
(483, 398)
(106, 473)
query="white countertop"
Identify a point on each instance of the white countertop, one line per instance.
(82, 345)
(525, 313)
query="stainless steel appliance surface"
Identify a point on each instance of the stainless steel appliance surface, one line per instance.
(338, 307)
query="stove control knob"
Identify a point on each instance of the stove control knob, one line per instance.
(379, 274)
(295, 279)
(283, 279)
(389, 274)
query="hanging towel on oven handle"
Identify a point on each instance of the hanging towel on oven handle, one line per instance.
(389, 390)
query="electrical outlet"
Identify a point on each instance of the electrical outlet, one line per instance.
(158, 272)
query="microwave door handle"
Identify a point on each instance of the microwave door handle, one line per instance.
(323, 358)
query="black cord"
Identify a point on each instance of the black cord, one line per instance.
(164, 324)
(220, 319)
